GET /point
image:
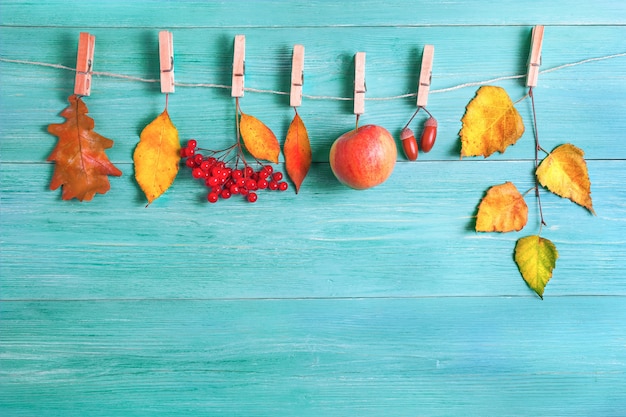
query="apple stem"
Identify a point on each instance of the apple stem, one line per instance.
(357, 122)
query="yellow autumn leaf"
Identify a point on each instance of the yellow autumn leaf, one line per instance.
(536, 258)
(503, 209)
(564, 172)
(157, 157)
(260, 141)
(491, 123)
(297, 151)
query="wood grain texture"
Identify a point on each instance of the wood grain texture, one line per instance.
(434, 356)
(332, 301)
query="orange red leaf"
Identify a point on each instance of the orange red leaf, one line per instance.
(81, 164)
(297, 151)
(157, 157)
(259, 139)
(490, 124)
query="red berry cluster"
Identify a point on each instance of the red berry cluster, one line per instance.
(224, 181)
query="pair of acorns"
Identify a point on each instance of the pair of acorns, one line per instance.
(427, 140)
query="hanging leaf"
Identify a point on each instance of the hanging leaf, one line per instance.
(491, 123)
(81, 165)
(157, 157)
(503, 209)
(260, 141)
(564, 172)
(297, 151)
(536, 258)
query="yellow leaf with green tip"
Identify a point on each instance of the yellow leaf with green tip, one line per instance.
(536, 258)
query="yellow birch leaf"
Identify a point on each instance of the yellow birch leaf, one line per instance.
(491, 123)
(503, 209)
(297, 151)
(564, 172)
(536, 258)
(157, 157)
(260, 141)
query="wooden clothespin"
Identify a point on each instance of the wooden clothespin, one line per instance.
(84, 64)
(297, 76)
(534, 58)
(166, 56)
(426, 74)
(239, 66)
(359, 83)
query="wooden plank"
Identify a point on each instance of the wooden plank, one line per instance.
(318, 13)
(411, 236)
(580, 104)
(435, 356)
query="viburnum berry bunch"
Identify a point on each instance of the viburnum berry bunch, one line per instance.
(226, 174)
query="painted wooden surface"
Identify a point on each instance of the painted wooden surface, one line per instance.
(332, 301)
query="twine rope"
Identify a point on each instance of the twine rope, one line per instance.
(309, 96)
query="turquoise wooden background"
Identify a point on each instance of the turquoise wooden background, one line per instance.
(332, 302)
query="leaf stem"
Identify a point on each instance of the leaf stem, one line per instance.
(537, 148)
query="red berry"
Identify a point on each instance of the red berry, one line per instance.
(225, 193)
(237, 173)
(212, 197)
(272, 185)
(192, 143)
(261, 184)
(269, 169)
(212, 181)
(409, 144)
(429, 134)
(243, 191)
(282, 186)
(205, 166)
(190, 163)
(248, 171)
(234, 189)
(251, 184)
(216, 171)
(252, 197)
(197, 173)
(277, 176)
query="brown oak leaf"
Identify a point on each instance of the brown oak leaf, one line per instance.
(81, 164)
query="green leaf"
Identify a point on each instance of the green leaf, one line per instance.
(536, 258)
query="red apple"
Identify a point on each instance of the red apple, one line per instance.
(364, 157)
